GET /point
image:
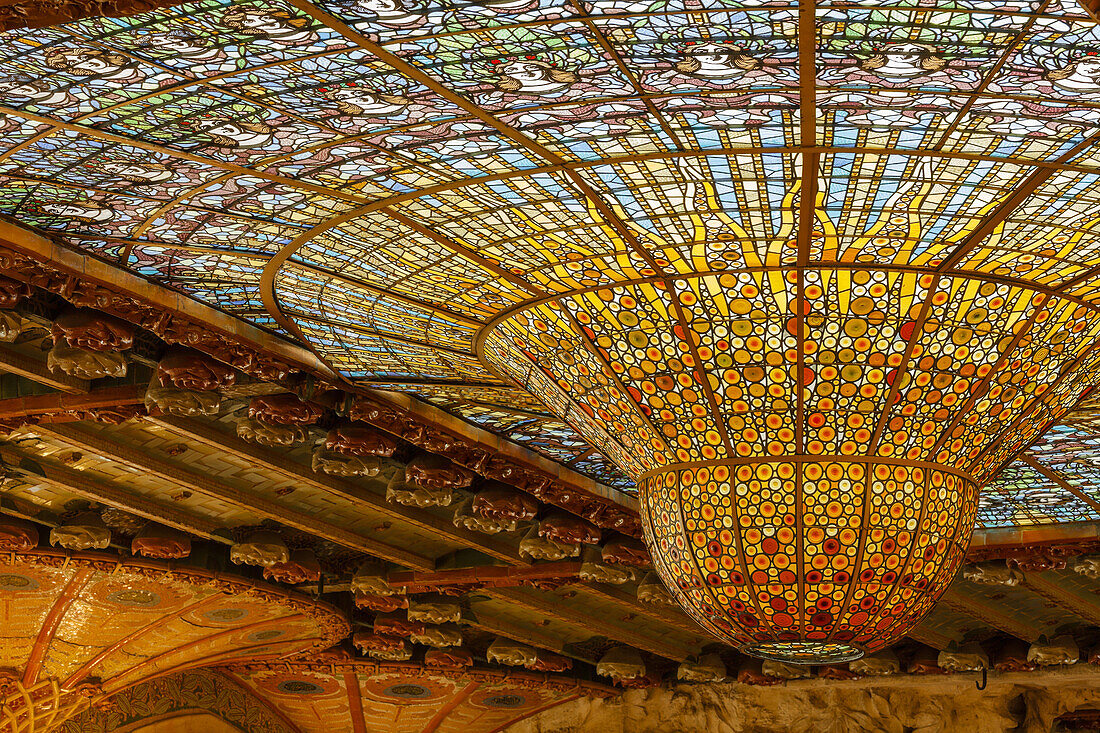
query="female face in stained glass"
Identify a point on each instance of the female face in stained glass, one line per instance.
(138, 172)
(181, 45)
(27, 89)
(391, 13)
(904, 59)
(235, 133)
(275, 25)
(91, 62)
(357, 101)
(715, 61)
(1081, 74)
(531, 76)
(86, 211)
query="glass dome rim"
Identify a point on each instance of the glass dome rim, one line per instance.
(856, 652)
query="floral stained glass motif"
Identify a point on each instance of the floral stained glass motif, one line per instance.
(405, 180)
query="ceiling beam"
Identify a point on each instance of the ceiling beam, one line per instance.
(671, 616)
(15, 362)
(1047, 587)
(537, 639)
(991, 616)
(206, 434)
(55, 402)
(245, 500)
(928, 637)
(555, 609)
(89, 486)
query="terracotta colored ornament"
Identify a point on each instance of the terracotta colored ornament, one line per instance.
(621, 663)
(90, 330)
(301, 567)
(652, 592)
(12, 292)
(437, 636)
(1061, 650)
(465, 518)
(751, 673)
(193, 371)
(435, 472)
(534, 547)
(339, 464)
(510, 653)
(966, 658)
(549, 662)
(283, 409)
(434, 610)
(17, 535)
(595, 570)
(272, 436)
(385, 648)
(840, 671)
(380, 604)
(360, 440)
(396, 625)
(994, 572)
(879, 664)
(448, 658)
(370, 578)
(181, 402)
(1012, 657)
(707, 668)
(621, 550)
(925, 661)
(164, 543)
(568, 529)
(783, 670)
(406, 494)
(504, 504)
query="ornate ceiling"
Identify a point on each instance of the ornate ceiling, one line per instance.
(383, 180)
(572, 243)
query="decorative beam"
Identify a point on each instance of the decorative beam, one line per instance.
(527, 636)
(931, 638)
(670, 616)
(459, 698)
(184, 317)
(14, 362)
(490, 576)
(46, 404)
(207, 434)
(355, 702)
(51, 623)
(593, 624)
(987, 614)
(248, 501)
(84, 484)
(1048, 588)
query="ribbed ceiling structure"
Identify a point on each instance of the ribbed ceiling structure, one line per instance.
(399, 184)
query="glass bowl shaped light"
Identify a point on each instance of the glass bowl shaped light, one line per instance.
(808, 443)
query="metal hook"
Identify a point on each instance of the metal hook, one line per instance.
(981, 685)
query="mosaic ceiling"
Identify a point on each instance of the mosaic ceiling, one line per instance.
(388, 180)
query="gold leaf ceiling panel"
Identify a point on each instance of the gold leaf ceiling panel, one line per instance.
(79, 627)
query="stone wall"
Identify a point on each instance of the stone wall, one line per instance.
(1023, 702)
